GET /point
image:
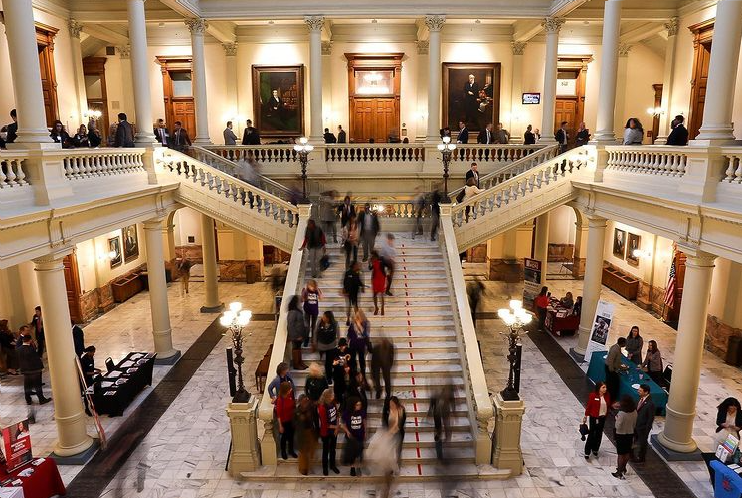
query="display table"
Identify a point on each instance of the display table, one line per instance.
(628, 381)
(727, 483)
(115, 391)
(559, 320)
(11, 493)
(44, 482)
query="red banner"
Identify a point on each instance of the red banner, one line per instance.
(17, 445)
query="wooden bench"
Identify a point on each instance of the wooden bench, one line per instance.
(261, 372)
(620, 282)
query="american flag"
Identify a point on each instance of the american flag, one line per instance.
(670, 289)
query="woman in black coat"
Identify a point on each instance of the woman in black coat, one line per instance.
(728, 419)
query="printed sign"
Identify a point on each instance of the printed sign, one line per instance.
(531, 98)
(601, 328)
(531, 281)
(17, 445)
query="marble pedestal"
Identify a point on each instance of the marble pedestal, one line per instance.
(507, 454)
(244, 455)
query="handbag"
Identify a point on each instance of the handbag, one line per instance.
(584, 431)
(460, 197)
(324, 262)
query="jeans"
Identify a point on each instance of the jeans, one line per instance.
(32, 385)
(351, 248)
(311, 322)
(287, 438)
(329, 443)
(595, 436)
(315, 253)
(368, 240)
(360, 354)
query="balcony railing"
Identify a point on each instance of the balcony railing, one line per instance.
(374, 152)
(12, 174)
(492, 153)
(271, 154)
(733, 163)
(649, 160)
(88, 163)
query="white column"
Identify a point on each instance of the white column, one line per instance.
(24, 68)
(435, 25)
(315, 24)
(541, 244)
(82, 98)
(72, 437)
(552, 25)
(592, 283)
(619, 116)
(608, 72)
(211, 279)
(140, 62)
(422, 111)
(230, 51)
(127, 94)
(722, 78)
(197, 28)
(517, 126)
(667, 80)
(681, 405)
(161, 330)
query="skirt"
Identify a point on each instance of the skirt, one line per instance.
(623, 443)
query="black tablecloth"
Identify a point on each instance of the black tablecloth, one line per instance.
(136, 380)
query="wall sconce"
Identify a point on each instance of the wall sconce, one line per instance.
(91, 113)
(107, 255)
(639, 253)
(655, 111)
(379, 208)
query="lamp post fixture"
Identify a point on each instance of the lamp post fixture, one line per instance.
(303, 149)
(235, 319)
(515, 318)
(446, 149)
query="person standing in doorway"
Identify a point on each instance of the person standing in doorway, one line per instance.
(562, 137)
(613, 366)
(314, 240)
(645, 410)
(37, 325)
(31, 368)
(368, 222)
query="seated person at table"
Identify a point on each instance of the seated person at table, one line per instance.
(87, 360)
(567, 301)
(728, 419)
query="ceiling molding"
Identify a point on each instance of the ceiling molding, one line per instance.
(185, 8)
(695, 6)
(560, 8)
(641, 32)
(485, 33)
(223, 31)
(59, 8)
(106, 34)
(596, 14)
(296, 33)
(525, 29)
(402, 33)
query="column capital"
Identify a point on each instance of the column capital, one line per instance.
(230, 49)
(696, 257)
(595, 221)
(154, 223)
(624, 49)
(672, 26)
(435, 22)
(197, 25)
(518, 47)
(75, 28)
(124, 51)
(314, 23)
(52, 261)
(553, 24)
(326, 48)
(423, 46)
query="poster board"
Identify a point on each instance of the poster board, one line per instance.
(531, 281)
(17, 444)
(600, 329)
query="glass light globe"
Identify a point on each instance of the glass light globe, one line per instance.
(303, 140)
(526, 319)
(229, 315)
(309, 148)
(452, 146)
(225, 321)
(516, 304)
(509, 320)
(242, 320)
(502, 313)
(297, 148)
(235, 306)
(441, 147)
(446, 139)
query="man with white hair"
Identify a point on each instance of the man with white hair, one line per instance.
(471, 93)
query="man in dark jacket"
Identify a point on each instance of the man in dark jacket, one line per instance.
(12, 128)
(347, 210)
(368, 223)
(78, 337)
(329, 137)
(382, 360)
(463, 136)
(679, 133)
(37, 324)
(31, 367)
(124, 133)
(645, 410)
(341, 135)
(250, 136)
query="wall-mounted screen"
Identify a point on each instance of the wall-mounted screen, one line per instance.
(531, 98)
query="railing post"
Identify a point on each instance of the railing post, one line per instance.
(507, 453)
(704, 170)
(45, 172)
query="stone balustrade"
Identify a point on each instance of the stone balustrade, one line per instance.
(268, 154)
(12, 174)
(505, 153)
(374, 153)
(733, 161)
(87, 163)
(648, 160)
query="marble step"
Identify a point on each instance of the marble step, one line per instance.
(410, 456)
(397, 285)
(411, 356)
(393, 304)
(403, 348)
(425, 369)
(414, 439)
(400, 384)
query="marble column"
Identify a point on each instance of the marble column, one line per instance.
(230, 52)
(435, 25)
(79, 74)
(315, 25)
(667, 81)
(608, 73)
(161, 330)
(211, 277)
(140, 62)
(552, 25)
(127, 95)
(72, 437)
(20, 31)
(677, 434)
(722, 78)
(197, 27)
(619, 117)
(541, 244)
(593, 278)
(578, 258)
(516, 125)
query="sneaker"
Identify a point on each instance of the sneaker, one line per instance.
(618, 475)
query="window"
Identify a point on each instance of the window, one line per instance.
(182, 86)
(369, 82)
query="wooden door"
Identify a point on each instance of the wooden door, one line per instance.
(566, 110)
(386, 119)
(362, 119)
(702, 36)
(45, 44)
(184, 110)
(178, 92)
(657, 103)
(94, 69)
(72, 281)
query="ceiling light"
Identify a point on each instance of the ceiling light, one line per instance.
(477, 21)
(374, 21)
(271, 22)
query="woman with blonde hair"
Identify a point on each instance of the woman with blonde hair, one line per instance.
(359, 338)
(316, 383)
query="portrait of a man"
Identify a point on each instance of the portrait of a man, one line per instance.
(114, 247)
(131, 243)
(278, 97)
(471, 93)
(619, 243)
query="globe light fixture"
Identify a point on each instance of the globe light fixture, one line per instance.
(515, 317)
(446, 149)
(303, 149)
(235, 319)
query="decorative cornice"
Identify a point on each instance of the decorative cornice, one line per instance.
(314, 23)
(197, 25)
(75, 28)
(230, 49)
(326, 48)
(423, 46)
(435, 22)
(124, 51)
(518, 47)
(553, 24)
(624, 49)
(672, 26)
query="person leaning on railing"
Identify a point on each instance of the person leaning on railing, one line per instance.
(679, 133)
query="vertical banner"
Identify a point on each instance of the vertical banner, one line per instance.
(600, 329)
(531, 281)
(17, 445)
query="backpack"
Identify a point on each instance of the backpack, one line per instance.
(326, 335)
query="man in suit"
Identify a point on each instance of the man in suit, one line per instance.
(180, 138)
(471, 93)
(502, 136)
(486, 136)
(382, 360)
(12, 128)
(368, 223)
(78, 338)
(342, 138)
(613, 366)
(329, 137)
(562, 137)
(463, 137)
(472, 173)
(31, 368)
(229, 137)
(347, 211)
(124, 133)
(161, 132)
(645, 410)
(250, 135)
(678, 135)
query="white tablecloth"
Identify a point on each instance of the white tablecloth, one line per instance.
(11, 493)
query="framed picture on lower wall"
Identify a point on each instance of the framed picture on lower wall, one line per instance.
(619, 243)
(131, 243)
(635, 244)
(114, 249)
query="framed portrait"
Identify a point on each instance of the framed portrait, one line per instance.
(619, 243)
(278, 100)
(114, 246)
(635, 242)
(131, 243)
(471, 93)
